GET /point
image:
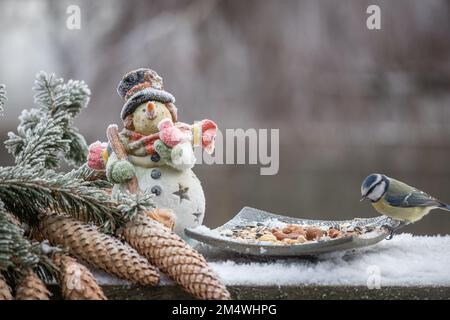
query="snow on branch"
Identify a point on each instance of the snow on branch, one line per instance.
(2, 97)
(46, 132)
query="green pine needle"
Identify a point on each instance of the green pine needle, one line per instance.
(46, 133)
(27, 193)
(15, 250)
(2, 97)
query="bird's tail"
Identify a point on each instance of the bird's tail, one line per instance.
(444, 206)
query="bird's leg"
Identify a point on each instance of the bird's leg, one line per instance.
(392, 230)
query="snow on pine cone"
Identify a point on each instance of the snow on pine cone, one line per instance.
(76, 281)
(102, 251)
(5, 290)
(31, 287)
(175, 257)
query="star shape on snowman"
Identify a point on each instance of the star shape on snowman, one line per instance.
(182, 192)
(197, 216)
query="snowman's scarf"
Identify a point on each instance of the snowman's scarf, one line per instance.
(141, 145)
(135, 144)
(138, 144)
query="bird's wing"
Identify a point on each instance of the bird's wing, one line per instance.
(403, 195)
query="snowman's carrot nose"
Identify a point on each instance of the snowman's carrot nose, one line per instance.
(151, 110)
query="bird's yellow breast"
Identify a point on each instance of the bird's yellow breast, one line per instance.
(409, 214)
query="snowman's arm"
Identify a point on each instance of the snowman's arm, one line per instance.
(119, 171)
(163, 150)
(112, 159)
(182, 156)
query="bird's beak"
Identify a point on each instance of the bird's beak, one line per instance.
(362, 199)
(151, 110)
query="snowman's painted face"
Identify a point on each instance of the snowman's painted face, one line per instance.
(147, 116)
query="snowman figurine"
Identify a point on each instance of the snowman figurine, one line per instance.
(154, 150)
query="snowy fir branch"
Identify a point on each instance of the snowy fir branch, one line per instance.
(52, 95)
(46, 132)
(2, 97)
(15, 250)
(97, 178)
(133, 204)
(27, 193)
(18, 254)
(41, 145)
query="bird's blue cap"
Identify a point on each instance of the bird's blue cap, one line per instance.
(371, 181)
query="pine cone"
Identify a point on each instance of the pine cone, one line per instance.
(100, 250)
(174, 257)
(32, 288)
(77, 282)
(5, 290)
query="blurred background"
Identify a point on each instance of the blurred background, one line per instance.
(348, 101)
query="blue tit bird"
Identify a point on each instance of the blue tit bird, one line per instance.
(398, 200)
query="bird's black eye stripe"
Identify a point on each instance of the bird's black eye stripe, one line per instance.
(373, 187)
(370, 190)
(384, 179)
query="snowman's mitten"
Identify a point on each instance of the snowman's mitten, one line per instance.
(97, 156)
(163, 150)
(183, 156)
(120, 171)
(172, 134)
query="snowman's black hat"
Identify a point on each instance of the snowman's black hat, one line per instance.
(139, 86)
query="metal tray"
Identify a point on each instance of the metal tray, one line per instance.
(249, 216)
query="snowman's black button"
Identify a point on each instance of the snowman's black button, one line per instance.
(156, 174)
(156, 190)
(155, 157)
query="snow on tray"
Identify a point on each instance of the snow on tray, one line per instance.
(206, 231)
